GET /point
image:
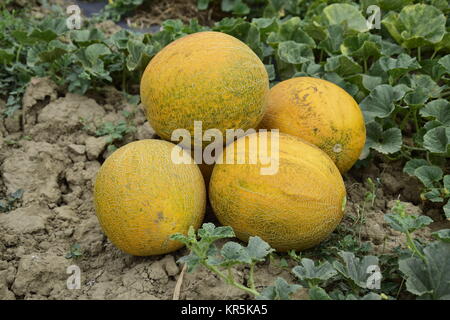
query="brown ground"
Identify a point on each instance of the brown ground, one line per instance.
(51, 152)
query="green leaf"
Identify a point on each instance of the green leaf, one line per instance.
(443, 235)
(429, 278)
(139, 54)
(437, 140)
(46, 35)
(281, 290)
(295, 53)
(429, 175)
(17, 195)
(290, 30)
(202, 4)
(342, 13)
(317, 293)
(365, 81)
(379, 103)
(6, 56)
(422, 81)
(210, 232)
(433, 195)
(257, 249)
(232, 253)
(395, 67)
(386, 142)
(192, 261)
(447, 210)
(235, 6)
(417, 97)
(445, 63)
(308, 271)
(333, 41)
(447, 182)
(406, 223)
(87, 36)
(355, 269)
(437, 109)
(342, 65)
(413, 164)
(371, 296)
(416, 25)
(362, 45)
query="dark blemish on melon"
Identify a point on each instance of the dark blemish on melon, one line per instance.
(315, 130)
(160, 215)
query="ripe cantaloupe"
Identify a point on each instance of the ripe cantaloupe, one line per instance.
(296, 208)
(319, 112)
(141, 198)
(207, 76)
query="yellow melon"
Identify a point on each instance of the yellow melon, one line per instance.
(142, 197)
(295, 208)
(319, 112)
(207, 76)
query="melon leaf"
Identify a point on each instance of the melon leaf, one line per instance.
(281, 290)
(313, 274)
(413, 164)
(257, 249)
(439, 110)
(429, 175)
(345, 14)
(355, 269)
(429, 278)
(210, 232)
(386, 142)
(416, 25)
(317, 293)
(407, 223)
(437, 140)
(443, 235)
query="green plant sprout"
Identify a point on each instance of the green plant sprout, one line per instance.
(11, 200)
(75, 252)
(204, 252)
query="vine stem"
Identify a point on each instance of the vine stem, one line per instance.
(413, 246)
(230, 280)
(434, 54)
(251, 280)
(405, 120)
(414, 148)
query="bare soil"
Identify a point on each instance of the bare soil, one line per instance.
(51, 152)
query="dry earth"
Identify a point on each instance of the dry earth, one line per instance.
(51, 152)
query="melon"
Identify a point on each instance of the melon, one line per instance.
(295, 208)
(142, 197)
(208, 76)
(319, 112)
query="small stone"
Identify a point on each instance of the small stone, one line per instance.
(156, 272)
(77, 148)
(95, 146)
(45, 245)
(26, 220)
(392, 184)
(145, 132)
(39, 273)
(68, 232)
(3, 265)
(170, 266)
(12, 123)
(66, 213)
